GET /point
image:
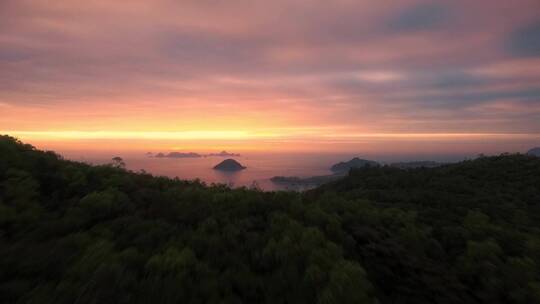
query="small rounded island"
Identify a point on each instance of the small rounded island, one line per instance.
(229, 165)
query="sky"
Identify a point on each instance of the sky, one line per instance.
(303, 74)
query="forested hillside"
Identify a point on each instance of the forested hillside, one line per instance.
(76, 233)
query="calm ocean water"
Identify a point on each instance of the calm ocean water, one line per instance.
(260, 167)
(315, 159)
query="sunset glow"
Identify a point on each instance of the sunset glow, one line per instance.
(209, 75)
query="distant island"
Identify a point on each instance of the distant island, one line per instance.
(178, 155)
(229, 165)
(223, 154)
(534, 151)
(191, 155)
(344, 167)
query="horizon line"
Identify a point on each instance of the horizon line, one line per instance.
(241, 135)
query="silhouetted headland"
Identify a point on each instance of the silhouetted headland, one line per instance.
(534, 151)
(344, 167)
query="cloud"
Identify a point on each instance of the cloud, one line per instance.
(425, 16)
(460, 99)
(193, 66)
(455, 79)
(525, 41)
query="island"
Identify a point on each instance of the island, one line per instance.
(190, 155)
(344, 167)
(224, 154)
(178, 155)
(229, 165)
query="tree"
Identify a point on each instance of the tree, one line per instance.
(118, 162)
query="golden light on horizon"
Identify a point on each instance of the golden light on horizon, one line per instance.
(244, 138)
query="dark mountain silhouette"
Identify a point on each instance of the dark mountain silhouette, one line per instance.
(229, 165)
(534, 151)
(344, 167)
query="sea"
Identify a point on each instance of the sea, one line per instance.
(315, 160)
(260, 167)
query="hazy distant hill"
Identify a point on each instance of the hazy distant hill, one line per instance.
(534, 151)
(460, 233)
(356, 162)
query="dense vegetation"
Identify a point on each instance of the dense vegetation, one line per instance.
(75, 233)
